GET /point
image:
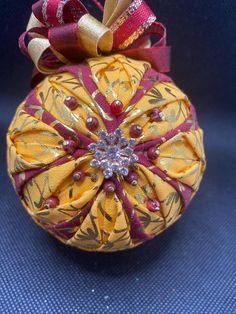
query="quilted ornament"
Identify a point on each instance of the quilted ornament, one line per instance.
(57, 167)
(105, 154)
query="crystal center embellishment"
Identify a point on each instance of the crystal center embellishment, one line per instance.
(113, 153)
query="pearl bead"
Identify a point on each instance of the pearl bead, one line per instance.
(153, 153)
(109, 187)
(51, 202)
(156, 115)
(132, 178)
(92, 123)
(136, 131)
(153, 205)
(70, 146)
(71, 102)
(78, 175)
(116, 107)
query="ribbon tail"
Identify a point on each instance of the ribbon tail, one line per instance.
(158, 57)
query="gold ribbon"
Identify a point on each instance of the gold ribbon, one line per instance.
(94, 36)
(113, 9)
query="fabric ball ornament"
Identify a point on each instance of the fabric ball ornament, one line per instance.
(107, 154)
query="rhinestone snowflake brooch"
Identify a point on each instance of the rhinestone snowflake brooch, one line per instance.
(113, 153)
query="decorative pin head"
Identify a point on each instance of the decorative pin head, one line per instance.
(71, 102)
(113, 153)
(92, 123)
(117, 107)
(51, 202)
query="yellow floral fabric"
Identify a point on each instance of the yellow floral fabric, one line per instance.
(87, 217)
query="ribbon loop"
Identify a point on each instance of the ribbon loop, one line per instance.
(94, 36)
(64, 40)
(113, 9)
(52, 13)
(63, 32)
(131, 24)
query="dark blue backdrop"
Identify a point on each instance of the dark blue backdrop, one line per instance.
(191, 268)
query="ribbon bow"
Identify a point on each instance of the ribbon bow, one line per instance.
(63, 32)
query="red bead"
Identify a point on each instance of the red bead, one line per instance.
(71, 102)
(153, 153)
(136, 131)
(51, 202)
(116, 107)
(153, 205)
(70, 146)
(92, 123)
(132, 178)
(109, 187)
(78, 175)
(156, 115)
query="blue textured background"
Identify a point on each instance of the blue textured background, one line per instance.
(191, 268)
